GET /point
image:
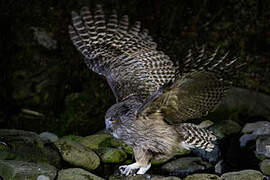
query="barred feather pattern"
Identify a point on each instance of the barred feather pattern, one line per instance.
(192, 96)
(223, 66)
(196, 137)
(124, 54)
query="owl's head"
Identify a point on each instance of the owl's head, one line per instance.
(118, 115)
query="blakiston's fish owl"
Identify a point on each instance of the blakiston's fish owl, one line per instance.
(154, 97)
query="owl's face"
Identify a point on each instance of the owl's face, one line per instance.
(115, 116)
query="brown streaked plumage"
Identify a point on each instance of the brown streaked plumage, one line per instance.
(154, 97)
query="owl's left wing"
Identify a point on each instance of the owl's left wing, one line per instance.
(126, 56)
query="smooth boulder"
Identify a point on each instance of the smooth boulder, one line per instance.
(20, 170)
(77, 154)
(76, 174)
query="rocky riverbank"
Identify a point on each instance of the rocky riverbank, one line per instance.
(27, 155)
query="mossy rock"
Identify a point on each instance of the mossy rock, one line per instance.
(77, 154)
(27, 146)
(76, 174)
(202, 177)
(112, 155)
(185, 166)
(97, 141)
(72, 138)
(225, 128)
(265, 166)
(243, 175)
(94, 141)
(20, 170)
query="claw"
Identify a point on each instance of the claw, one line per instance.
(127, 170)
(131, 169)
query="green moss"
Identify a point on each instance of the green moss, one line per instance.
(112, 155)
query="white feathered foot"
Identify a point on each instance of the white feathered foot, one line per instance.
(131, 169)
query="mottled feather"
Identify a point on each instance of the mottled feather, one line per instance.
(124, 54)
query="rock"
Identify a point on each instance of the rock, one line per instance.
(143, 177)
(42, 177)
(251, 127)
(202, 177)
(256, 129)
(72, 138)
(119, 144)
(20, 170)
(97, 141)
(185, 166)
(221, 167)
(245, 138)
(77, 154)
(94, 141)
(112, 155)
(49, 136)
(243, 175)
(265, 166)
(225, 127)
(76, 174)
(263, 146)
(254, 103)
(28, 146)
(212, 156)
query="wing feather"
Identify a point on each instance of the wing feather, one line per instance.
(201, 84)
(125, 55)
(190, 97)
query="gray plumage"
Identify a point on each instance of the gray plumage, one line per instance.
(154, 97)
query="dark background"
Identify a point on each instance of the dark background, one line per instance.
(45, 85)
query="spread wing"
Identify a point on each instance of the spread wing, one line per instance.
(125, 55)
(202, 84)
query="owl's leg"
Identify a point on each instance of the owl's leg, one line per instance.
(143, 170)
(142, 163)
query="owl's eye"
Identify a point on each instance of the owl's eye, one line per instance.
(110, 120)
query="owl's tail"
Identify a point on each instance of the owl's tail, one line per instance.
(194, 136)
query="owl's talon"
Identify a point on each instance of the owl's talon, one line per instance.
(128, 169)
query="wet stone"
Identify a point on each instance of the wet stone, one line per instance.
(202, 177)
(112, 155)
(265, 166)
(263, 146)
(77, 154)
(76, 174)
(243, 175)
(185, 166)
(20, 170)
(27, 146)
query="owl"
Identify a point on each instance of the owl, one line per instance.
(155, 98)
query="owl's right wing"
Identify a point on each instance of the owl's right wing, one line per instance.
(198, 90)
(127, 57)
